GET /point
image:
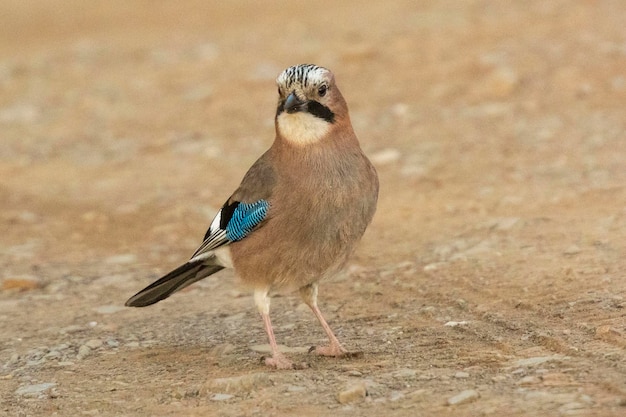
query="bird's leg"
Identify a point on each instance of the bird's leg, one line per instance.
(309, 296)
(278, 360)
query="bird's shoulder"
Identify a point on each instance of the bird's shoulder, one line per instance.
(245, 210)
(258, 183)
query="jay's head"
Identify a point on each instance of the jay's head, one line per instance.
(309, 104)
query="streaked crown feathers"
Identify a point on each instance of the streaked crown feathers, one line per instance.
(302, 76)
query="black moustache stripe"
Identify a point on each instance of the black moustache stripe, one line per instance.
(313, 107)
(319, 110)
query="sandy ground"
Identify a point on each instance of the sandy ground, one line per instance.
(492, 280)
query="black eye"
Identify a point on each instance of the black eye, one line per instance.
(322, 90)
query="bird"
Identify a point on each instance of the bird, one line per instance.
(298, 213)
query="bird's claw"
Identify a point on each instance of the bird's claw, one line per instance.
(334, 351)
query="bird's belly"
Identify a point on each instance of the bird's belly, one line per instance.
(287, 258)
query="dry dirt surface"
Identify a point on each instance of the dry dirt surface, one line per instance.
(491, 282)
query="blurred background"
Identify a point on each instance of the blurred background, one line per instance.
(498, 130)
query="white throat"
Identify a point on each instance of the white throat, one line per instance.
(302, 128)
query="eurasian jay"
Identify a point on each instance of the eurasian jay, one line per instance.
(299, 211)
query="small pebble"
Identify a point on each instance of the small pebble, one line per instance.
(464, 397)
(572, 250)
(529, 380)
(83, 352)
(606, 329)
(14, 359)
(572, 408)
(61, 347)
(417, 394)
(20, 284)
(506, 223)
(238, 384)
(221, 397)
(433, 266)
(108, 309)
(94, 343)
(456, 323)
(53, 354)
(396, 395)
(353, 393)
(461, 375)
(223, 349)
(295, 388)
(35, 390)
(556, 379)
(537, 360)
(74, 328)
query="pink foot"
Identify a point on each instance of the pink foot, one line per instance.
(332, 350)
(279, 361)
(336, 351)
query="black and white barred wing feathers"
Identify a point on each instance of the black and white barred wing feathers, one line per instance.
(233, 222)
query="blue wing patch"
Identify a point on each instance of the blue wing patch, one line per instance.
(245, 217)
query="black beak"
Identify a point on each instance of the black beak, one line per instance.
(293, 103)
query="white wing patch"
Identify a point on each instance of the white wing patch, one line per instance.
(216, 237)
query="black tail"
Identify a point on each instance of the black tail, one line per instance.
(176, 280)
